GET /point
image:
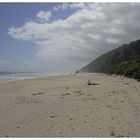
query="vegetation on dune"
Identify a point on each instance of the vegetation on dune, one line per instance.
(124, 60)
(129, 68)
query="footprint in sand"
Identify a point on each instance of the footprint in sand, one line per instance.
(23, 99)
(78, 93)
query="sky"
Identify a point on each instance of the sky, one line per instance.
(63, 37)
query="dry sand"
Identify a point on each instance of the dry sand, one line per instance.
(65, 106)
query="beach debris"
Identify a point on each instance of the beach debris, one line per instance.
(65, 94)
(38, 93)
(53, 116)
(77, 91)
(112, 134)
(82, 93)
(91, 83)
(67, 87)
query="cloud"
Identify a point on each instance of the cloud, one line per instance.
(65, 6)
(91, 30)
(112, 40)
(44, 16)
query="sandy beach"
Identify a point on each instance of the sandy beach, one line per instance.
(66, 106)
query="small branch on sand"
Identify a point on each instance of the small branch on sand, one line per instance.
(53, 116)
(38, 93)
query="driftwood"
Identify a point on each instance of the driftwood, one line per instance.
(38, 93)
(91, 83)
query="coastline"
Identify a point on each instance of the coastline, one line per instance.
(32, 76)
(66, 106)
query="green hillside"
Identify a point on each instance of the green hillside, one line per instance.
(124, 60)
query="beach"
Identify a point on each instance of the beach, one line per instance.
(66, 106)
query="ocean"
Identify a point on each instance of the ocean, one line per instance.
(11, 76)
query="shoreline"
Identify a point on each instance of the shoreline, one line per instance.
(35, 77)
(66, 106)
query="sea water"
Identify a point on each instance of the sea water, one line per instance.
(11, 76)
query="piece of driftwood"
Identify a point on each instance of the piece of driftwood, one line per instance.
(91, 83)
(38, 93)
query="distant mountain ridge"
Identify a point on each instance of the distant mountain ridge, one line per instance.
(124, 60)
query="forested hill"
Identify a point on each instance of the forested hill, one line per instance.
(124, 60)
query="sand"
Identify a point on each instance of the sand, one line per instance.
(65, 106)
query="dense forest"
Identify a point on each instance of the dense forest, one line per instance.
(124, 60)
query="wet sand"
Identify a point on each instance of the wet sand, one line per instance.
(66, 106)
